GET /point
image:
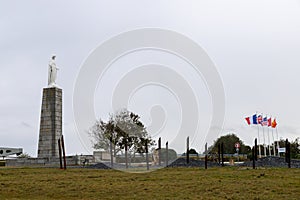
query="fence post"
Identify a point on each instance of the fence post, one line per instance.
(206, 155)
(167, 154)
(64, 152)
(159, 151)
(219, 153)
(111, 154)
(187, 150)
(255, 149)
(222, 150)
(59, 151)
(253, 157)
(147, 157)
(126, 156)
(288, 153)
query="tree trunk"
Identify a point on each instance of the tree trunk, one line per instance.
(115, 151)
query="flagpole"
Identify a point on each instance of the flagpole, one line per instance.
(269, 146)
(265, 150)
(273, 138)
(273, 143)
(259, 149)
(277, 142)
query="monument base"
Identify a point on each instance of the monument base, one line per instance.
(51, 123)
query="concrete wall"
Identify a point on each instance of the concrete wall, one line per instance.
(22, 162)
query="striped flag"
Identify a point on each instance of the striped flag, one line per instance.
(251, 120)
(259, 119)
(269, 121)
(264, 122)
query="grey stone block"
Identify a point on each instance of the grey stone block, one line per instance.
(50, 123)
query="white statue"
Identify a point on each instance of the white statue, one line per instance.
(52, 72)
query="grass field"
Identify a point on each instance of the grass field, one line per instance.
(177, 183)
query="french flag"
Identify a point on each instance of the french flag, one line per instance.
(251, 120)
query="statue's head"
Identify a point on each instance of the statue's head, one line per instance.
(53, 56)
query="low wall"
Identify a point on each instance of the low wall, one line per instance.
(273, 161)
(20, 162)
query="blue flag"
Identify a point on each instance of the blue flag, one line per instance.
(254, 118)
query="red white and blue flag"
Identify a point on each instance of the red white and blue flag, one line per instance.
(264, 122)
(251, 120)
(259, 119)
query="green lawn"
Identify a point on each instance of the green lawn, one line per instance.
(177, 183)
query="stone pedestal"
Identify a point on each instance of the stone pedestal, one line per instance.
(51, 123)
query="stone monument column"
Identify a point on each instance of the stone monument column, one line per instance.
(51, 117)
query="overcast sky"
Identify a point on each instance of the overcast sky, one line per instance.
(255, 46)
